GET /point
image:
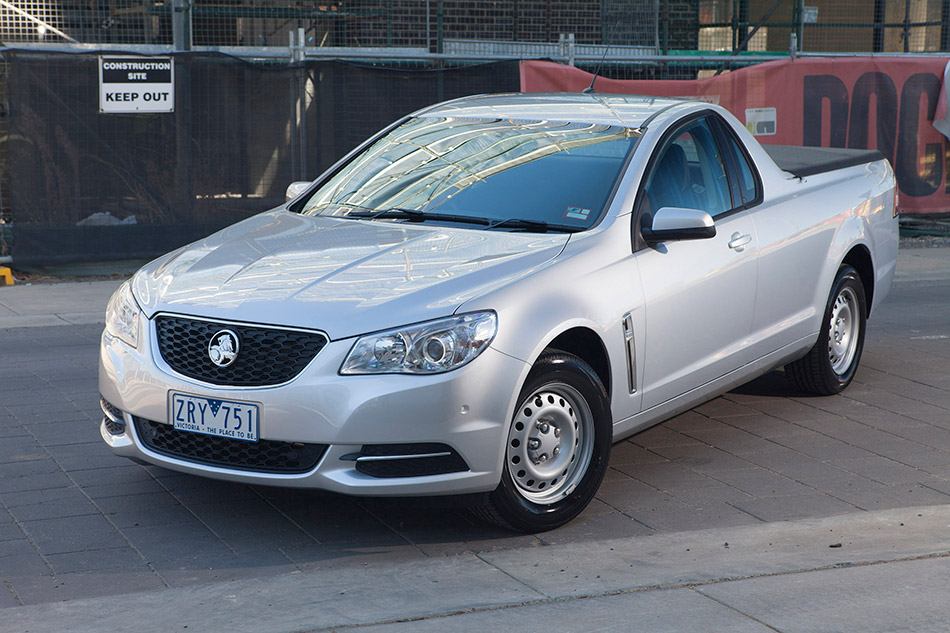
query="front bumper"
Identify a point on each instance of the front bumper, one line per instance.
(465, 410)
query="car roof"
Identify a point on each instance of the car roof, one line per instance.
(609, 109)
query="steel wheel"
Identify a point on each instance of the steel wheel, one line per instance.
(557, 447)
(831, 363)
(550, 443)
(844, 334)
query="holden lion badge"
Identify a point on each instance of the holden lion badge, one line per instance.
(223, 348)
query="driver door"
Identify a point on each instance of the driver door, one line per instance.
(699, 294)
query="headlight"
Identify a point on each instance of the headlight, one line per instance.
(122, 315)
(424, 348)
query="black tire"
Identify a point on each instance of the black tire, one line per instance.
(558, 447)
(830, 365)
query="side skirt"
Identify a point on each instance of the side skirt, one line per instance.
(658, 413)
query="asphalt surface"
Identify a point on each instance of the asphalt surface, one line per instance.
(836, 511)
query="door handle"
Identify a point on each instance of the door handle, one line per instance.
(739, 240)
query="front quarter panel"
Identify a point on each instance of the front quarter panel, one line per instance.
(591, 285)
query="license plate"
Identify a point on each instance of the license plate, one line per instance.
(223, 418)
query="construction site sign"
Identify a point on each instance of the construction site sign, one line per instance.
(136, 84)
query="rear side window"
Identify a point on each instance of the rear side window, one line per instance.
(746, 182)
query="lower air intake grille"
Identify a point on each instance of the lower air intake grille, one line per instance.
(408, 460)
(263, 456)
(113, 427)
(113, 418)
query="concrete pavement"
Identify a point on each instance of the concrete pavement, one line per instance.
(40, 305)
(89, 542)
(880, 571)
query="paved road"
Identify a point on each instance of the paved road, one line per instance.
(76, 522)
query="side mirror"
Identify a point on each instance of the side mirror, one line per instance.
(294, 189)
(675, 223)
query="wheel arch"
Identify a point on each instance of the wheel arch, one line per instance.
(587, 345)
(859, 258)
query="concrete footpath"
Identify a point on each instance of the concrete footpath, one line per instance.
(40, 305)
(879, 571)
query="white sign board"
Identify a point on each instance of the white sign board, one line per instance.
(761, 121)
(136, 84)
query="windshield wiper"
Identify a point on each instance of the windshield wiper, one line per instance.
(413, 215)
(536, 226)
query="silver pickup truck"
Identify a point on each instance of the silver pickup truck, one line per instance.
(486, 295)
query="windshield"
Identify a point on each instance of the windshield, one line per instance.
(509, 174)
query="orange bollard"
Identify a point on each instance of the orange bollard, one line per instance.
(6, 276)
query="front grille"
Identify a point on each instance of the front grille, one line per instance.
(408, 460)
(263, 456)
(266, 355)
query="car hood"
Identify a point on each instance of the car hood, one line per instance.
(344, 277)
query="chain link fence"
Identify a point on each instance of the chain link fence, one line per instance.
(824, 26)
(116, 22)
(87, 184)
(470, 26)
(425, 24)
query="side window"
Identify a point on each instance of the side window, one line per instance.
(689, 173)
(746, 184)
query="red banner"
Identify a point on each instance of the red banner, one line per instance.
(887, 103)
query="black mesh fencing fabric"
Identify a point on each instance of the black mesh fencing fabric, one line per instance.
(85, 185)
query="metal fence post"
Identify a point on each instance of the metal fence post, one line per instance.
(515, 21)
(945, 25)
(294, 53)
(5, 215)
(664, 19)
(184, 169)
(905, 31)
(798, 20)
(302, 104)
(566, 47)
(439, 15)
(743, 24)
(735, 25)
(389, 22)
(880, 17)
(181, 25)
